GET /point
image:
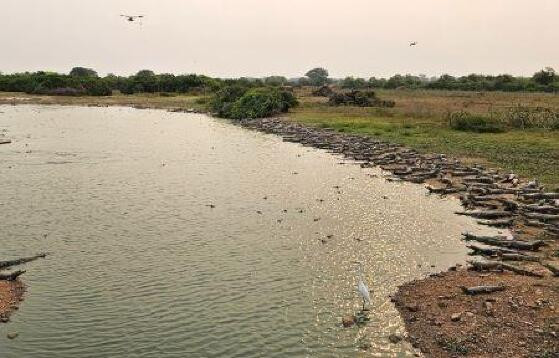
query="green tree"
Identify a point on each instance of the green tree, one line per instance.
(83, 72)
(355, 83)
(145, 73)
(275, 81)
(377, 82)
(545, 77)
(318, 76)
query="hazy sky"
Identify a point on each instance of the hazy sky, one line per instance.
(287, 37)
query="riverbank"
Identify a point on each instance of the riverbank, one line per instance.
(11, 288)
(495, 197)
(520, 321)
(11, 294)
(420, 121)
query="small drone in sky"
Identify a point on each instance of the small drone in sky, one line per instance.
(132, 18)
(414, 43)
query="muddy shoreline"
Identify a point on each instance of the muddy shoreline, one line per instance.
(495, 198)
(11, 288)
(11, 294)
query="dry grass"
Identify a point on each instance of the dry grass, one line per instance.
(439, 103)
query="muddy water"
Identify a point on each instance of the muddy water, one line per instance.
(142, 266)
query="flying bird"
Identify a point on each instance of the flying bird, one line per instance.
(132, 18)
(362, 287)
(414, 43)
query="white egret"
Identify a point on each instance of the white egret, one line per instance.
(362, 287)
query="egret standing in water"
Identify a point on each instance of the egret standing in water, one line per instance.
(362, 286)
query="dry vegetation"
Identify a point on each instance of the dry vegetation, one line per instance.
(420, 120)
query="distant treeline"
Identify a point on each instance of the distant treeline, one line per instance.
(85, 81)
(542, 81)
(545, 80)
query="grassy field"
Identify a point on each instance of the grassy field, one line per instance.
(419, 120)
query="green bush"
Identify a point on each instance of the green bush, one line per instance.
(224, 99)
(358, 98)
(464, 121)
(262, 102)
(83, 72)
(238, 102)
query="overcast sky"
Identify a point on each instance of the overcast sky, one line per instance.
(234, 38)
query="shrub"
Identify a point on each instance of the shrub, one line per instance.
(464, 121)
(262, 102)
(224, 99)
(324, 91)
(238, 102)
(355, 98)
(358, 98)
(98, 88)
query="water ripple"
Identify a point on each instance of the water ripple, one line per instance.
(142, 267)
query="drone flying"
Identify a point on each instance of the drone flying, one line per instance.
(414, 43)
(132, 18)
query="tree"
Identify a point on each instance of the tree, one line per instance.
(303, 81)
(145, 73)
(350, 82)
(545, 77)
(377, 82)
(275, 81)
(395, 81)
(318, 76)
(83, 72)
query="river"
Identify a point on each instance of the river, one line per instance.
(180, 235)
